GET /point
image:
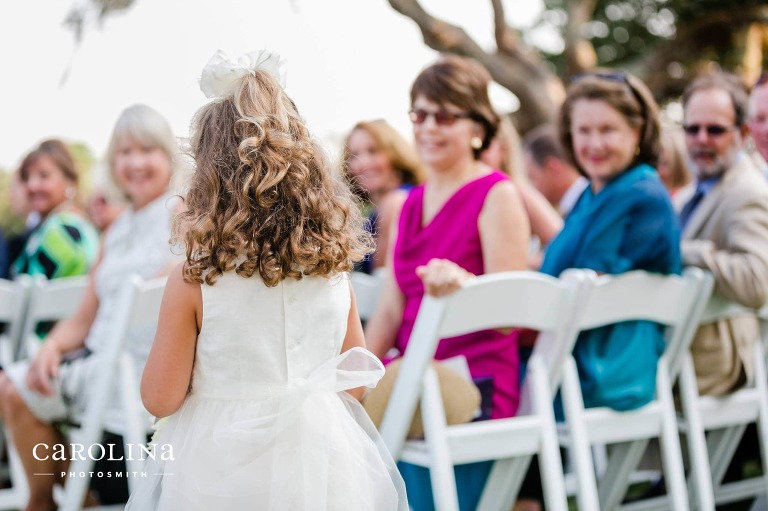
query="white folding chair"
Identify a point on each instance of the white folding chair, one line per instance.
(14, 303)
(139, 310)
(523, 299)
(715, 425)
(49, 300)
(675, 302)
(14, 296)
(367, 292)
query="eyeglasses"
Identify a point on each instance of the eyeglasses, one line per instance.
(442, 117)
(713, 130)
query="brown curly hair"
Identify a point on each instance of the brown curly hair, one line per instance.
(263, 197)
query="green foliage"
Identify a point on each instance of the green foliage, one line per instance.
(9, 223)
(623, 32)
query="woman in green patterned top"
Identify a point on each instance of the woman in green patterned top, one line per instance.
(64, 243)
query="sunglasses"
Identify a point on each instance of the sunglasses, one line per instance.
(713, 130)
(442, 117)
(611, 76)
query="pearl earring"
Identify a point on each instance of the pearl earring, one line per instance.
(70, 193)
(476, 143)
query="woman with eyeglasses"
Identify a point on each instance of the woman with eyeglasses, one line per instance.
(381, 166)
(466, 220)
(623, 221)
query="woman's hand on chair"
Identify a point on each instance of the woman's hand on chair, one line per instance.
(442, 277)
(43, 369)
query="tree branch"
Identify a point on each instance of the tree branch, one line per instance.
(516, 68)
(506, 37)
(579, 52)
(438, 34)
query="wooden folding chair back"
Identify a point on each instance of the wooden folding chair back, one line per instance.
(367, 292)
(139, 310)
(50, 300)
(675, 302)
(714, 426)
(14, 302)
(512, 299)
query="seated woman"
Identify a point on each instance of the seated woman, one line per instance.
(623, 221)
(56, 385)
(64, 243)
(104, 205)
(467, 219)
(381, 167)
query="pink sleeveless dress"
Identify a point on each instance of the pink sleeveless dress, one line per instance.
(453, 234)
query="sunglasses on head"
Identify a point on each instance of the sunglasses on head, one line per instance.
(611, 76)
(713, 130)
(442, 117)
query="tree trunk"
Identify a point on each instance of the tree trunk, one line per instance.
(513, 65)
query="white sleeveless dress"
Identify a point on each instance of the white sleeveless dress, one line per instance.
(266, 426)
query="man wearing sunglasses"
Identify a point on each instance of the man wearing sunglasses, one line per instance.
(724, 226)
(758, 119)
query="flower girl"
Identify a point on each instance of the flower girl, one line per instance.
(259, 336)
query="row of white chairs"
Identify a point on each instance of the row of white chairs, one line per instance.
(27, 302)
(560, 309)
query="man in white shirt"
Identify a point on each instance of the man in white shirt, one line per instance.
(549, 171)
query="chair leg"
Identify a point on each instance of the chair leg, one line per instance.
(722, 445)
(503, 483)
(17, 495)
(550, 464)
(134, 433)
(761, 382)
(701, 477)
(670, 443)
(441, 466)
(623, 459)
(578, 438)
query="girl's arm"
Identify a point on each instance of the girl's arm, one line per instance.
(381, 329)
(168, 372)
(354, 338)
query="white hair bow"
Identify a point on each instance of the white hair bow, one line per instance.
(221, 75)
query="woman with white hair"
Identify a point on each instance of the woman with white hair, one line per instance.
(55, 385)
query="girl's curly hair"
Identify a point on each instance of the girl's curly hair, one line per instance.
(263, 197)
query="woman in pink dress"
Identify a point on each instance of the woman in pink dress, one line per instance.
(466, 220)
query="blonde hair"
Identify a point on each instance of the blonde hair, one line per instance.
(399, 152)
(512, 162)
(673, 145)
(147, 127)
(263, 197)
